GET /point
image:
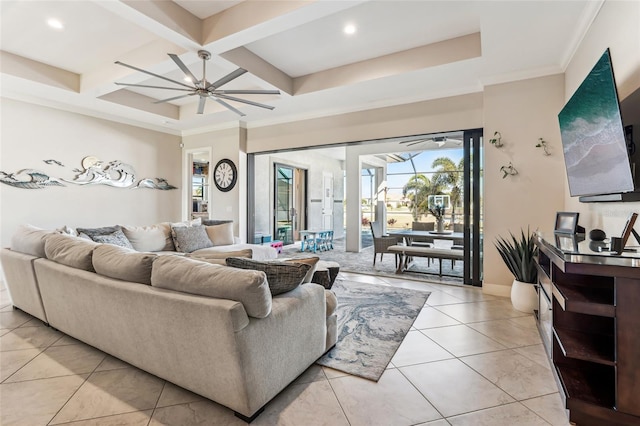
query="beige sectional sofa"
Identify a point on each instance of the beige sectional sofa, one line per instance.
(212, 329)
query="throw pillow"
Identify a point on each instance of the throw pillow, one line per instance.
(219, 257)
(192, 276)
(221, 235)
(194, 222)
(92, 232)
(211, 222)
(123, 263)
(190, 238)
(281, 276)
(116, 238)
(150, 238)
(29, 239)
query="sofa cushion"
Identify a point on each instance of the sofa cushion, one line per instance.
(281, 276)
(332, 302)
(29, 239)
(193, 276)
(190, 238)
(221, 235)
(150, 238)
(219, 257)
(123, 263)
(116, 238)
(70, 251)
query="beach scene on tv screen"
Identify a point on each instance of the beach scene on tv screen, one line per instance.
(593, 140)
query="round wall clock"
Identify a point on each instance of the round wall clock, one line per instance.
(225, 175)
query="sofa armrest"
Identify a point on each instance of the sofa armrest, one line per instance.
(237, 240)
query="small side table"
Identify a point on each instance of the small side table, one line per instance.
(326, 273)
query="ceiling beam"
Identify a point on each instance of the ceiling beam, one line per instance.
(141, 102)
(257, 66)
(431, 55)
(28, 69)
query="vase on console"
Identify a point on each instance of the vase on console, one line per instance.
(440, 225)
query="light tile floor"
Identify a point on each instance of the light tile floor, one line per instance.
(469, 359)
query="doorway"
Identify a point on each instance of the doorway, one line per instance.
(197, 188)
(290, 213)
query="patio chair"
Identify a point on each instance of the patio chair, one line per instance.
(381, 243)
(423, 226)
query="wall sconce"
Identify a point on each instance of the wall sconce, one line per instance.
(497, 140)
(543, 144)
(508, 170)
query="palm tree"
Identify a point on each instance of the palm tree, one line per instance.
(417, 189)
(449, 175)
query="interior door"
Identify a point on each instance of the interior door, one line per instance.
(327, 200)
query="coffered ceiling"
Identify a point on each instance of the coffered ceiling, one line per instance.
(401, 52)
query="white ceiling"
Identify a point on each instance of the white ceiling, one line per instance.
(403, 51)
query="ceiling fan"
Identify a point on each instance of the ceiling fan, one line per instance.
(437, 140)
(204, 89)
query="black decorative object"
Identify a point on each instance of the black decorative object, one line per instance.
(225, 175)
(597, 235)
(567, 223)
(617, 244)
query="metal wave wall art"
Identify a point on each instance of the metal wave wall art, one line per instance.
(93, 172)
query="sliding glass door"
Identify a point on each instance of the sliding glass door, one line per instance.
(472, 189)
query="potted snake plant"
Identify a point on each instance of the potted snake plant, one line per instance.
(519, 254)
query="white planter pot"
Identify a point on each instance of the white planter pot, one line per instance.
(524, 297)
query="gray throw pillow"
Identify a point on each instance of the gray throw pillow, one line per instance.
(92, 232)
(212, 222)
(116, 238)
(190, 238)
(281, 276)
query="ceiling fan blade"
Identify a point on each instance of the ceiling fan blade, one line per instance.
(155, 87)
(244, 101)
(150, 73)
(227, 78)
(203, 99)
(183, 67)
(174, 98)
(230, 107)
(247, 92)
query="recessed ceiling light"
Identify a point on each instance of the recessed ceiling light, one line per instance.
(55, 23)
(350, 29)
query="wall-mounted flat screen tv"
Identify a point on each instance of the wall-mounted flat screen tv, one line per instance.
(593, 140)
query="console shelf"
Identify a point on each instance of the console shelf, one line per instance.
(589, 326)
(592, 387)
(598, 348)
(586, 300)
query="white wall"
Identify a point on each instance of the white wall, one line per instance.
(32, 133)
(616, 27)
(522, 112)
(228, 143)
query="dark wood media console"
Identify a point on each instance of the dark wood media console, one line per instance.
(589, 320)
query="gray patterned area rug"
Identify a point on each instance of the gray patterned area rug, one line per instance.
(372, 322)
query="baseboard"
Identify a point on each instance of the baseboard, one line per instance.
(496, 289)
